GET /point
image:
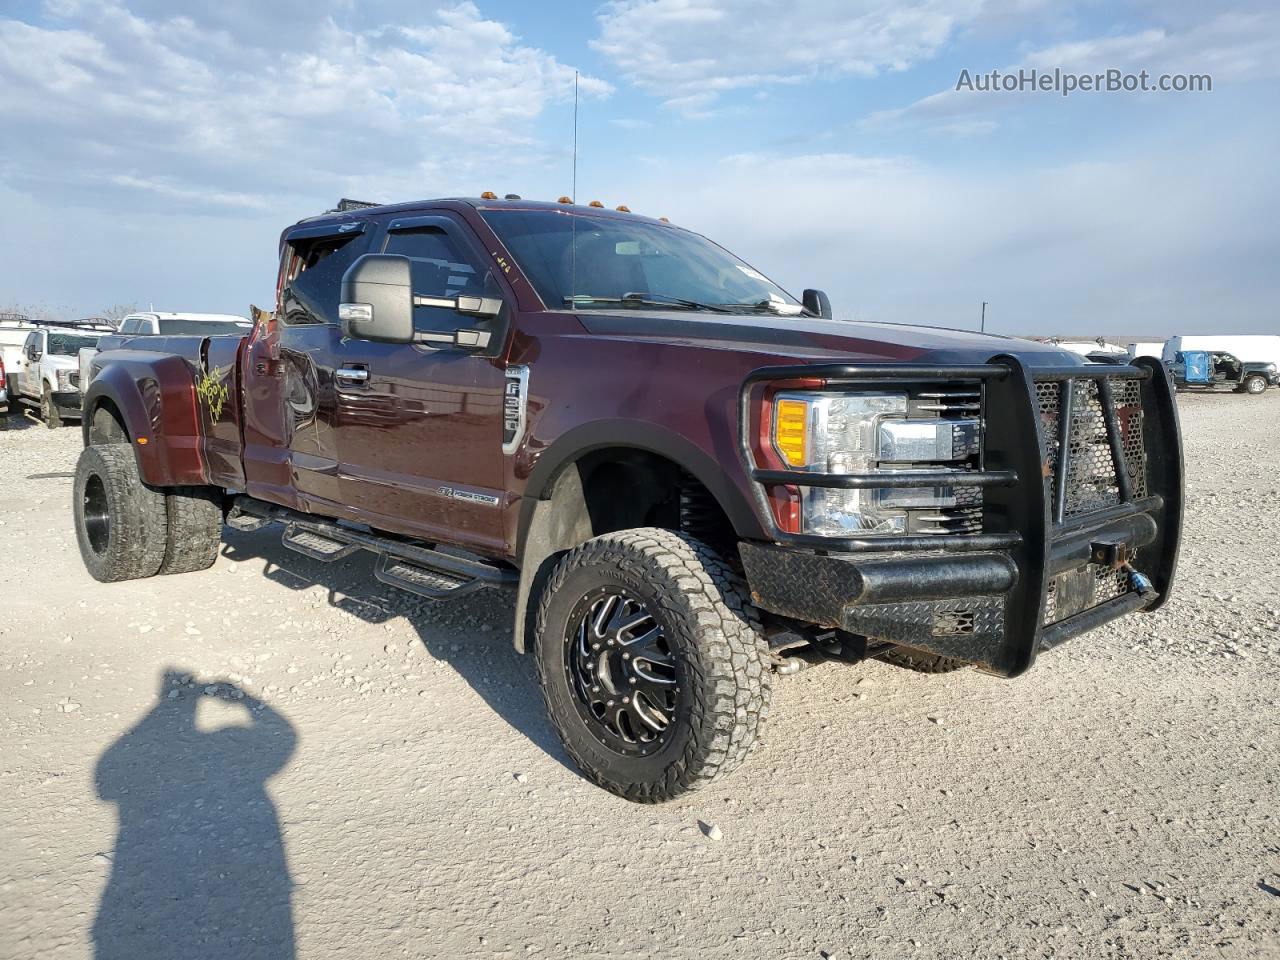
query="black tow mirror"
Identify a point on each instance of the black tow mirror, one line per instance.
(377, 299)
(818, 303)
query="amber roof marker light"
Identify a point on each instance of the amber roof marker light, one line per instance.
(488, 195)
(622, 208)
(596, 203)
(564, 200)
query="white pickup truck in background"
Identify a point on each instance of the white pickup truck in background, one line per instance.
(42, 368)
(14, 328)
(153, 324)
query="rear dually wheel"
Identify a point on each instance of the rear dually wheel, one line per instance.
(120, 522)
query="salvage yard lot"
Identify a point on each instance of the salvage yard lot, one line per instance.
(1119, 801)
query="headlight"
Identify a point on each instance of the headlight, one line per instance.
(861, 434)
(64, 379)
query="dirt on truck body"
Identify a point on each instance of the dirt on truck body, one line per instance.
(689, 479)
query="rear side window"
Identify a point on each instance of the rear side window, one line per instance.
(440, 269)
(313, 279)
(178, 326)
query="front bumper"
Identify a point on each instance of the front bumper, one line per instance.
(1065, 522)
(68, 402)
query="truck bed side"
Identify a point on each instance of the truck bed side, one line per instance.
(177, 400)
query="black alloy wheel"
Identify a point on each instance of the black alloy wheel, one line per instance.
(652, 662)
(95, 512)
(622, 672)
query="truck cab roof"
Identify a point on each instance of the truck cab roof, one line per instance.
(473, 203)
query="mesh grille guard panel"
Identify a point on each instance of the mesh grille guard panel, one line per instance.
(1091, 483)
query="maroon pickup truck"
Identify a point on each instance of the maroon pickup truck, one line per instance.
(690, 479)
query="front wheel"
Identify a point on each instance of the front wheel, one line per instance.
(49, 410)
(1255, 385)
(120, 522)
(652, 663)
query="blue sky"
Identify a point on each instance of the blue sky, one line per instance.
(154, 149)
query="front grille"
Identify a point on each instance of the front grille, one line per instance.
(950, 402)
(964, 517)
(947, 401)
(1091, 482)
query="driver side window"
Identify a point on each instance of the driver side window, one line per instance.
(440, 269)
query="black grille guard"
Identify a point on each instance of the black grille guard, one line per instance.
(1023, 472)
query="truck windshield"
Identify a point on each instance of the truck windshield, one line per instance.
(177, 326)
(69, 344)
(585, 262)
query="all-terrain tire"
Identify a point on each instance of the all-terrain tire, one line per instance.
(922, 662)
(120, 521)
(49, 410)
(1255, 385)
(194, 531)
(713, 635)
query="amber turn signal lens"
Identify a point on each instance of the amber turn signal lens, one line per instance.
(791, 431)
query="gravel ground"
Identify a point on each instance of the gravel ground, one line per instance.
(276, 755)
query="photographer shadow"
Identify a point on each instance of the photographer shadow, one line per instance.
(198, 869)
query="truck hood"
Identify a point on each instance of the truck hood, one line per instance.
(806, 338)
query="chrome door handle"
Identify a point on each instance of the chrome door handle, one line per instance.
(360, 374)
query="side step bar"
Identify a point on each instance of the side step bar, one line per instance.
(424, 571)
(315, 545)
(416, 579)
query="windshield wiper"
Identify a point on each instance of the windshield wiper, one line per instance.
(650, 300)
(779, 307)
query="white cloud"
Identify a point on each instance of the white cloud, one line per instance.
(1126, 243)
(1230, 47)
(207, 108)
(692, 51)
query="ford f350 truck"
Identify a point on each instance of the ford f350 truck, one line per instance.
(689, 479)
(44, 371)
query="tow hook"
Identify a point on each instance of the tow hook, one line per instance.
(1140, 583)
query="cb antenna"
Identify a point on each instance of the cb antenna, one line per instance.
(573, 196)
(573, 193)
